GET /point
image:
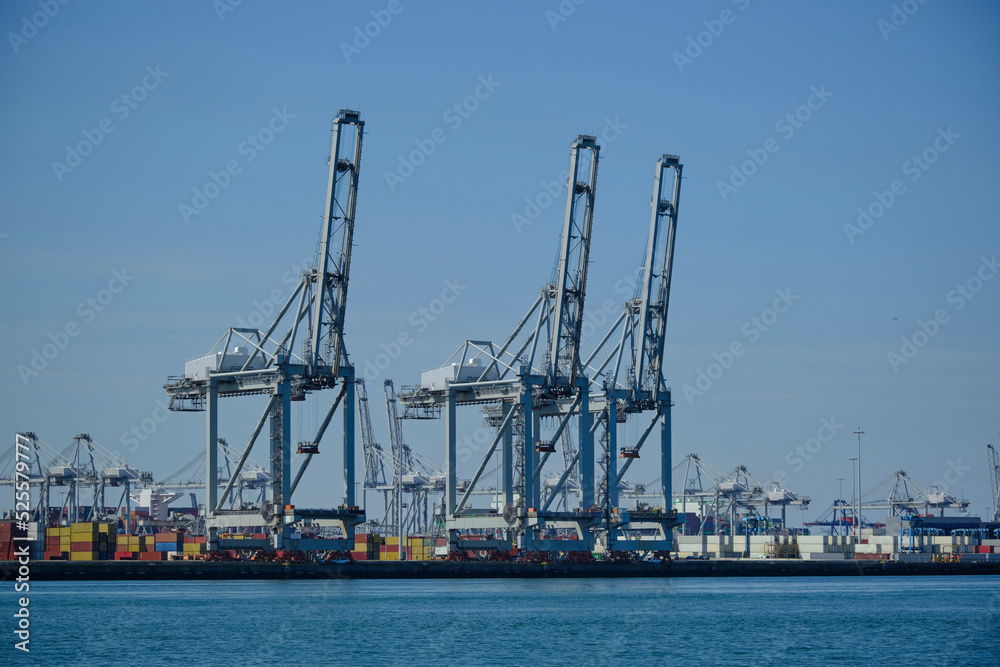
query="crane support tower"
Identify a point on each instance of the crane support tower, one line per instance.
(994, 464)
(246, 362)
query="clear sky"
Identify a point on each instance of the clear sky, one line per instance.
(842, 154)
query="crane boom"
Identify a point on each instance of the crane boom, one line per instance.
(994, 461)
(654, 297)
(332, 273)
(574, 257)
(374, 467)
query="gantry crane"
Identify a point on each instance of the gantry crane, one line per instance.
(901, 496)
(518, 385)
(374, 455)
(84, 465)
(249, 362)
(638, 356)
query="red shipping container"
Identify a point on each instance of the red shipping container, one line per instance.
(82, 546)
(189, 540)
(200, 539)
(259, 536)
(168, 537)
(125, 555)
(153, 555)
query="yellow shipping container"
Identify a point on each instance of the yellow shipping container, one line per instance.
(389, 556)
(392, 540)
(83, 555)
(194, 548)
(104, 528)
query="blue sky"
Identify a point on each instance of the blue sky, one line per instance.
(874, 85)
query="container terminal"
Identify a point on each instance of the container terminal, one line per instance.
(559, 504)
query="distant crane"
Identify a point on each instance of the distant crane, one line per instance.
(901, 496)
(374, 455)
(249, 362)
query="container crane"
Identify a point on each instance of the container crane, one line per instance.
(640, 351)
(374, 455)
(249, 362)
(518, 385)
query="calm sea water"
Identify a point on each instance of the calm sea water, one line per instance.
(752, 621)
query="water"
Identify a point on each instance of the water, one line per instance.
(745, 621)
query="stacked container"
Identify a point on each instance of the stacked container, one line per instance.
(367, 546)
(390, 549)
(88, 540)
(194, 546)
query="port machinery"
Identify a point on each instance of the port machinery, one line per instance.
(247, 362)
(723, 501)
(83, 466)
(539, 373)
